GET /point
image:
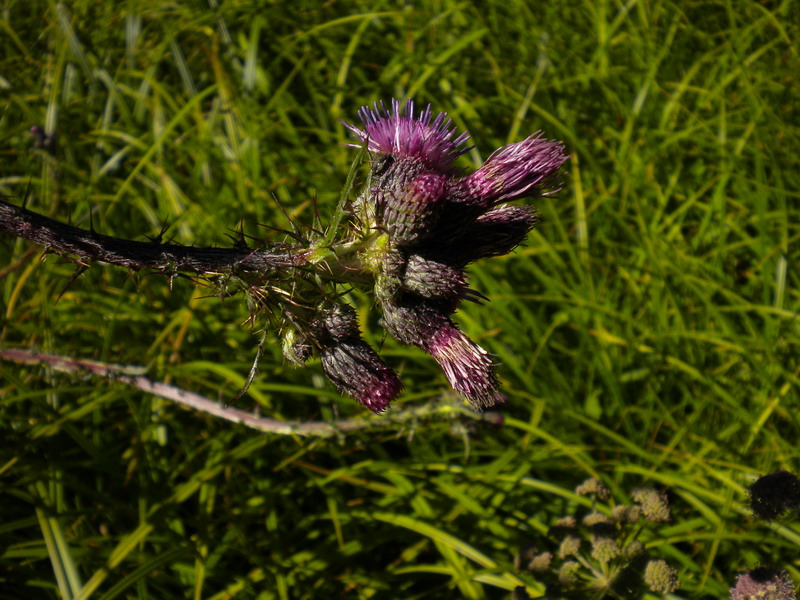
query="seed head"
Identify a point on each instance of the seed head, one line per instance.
(541, 562)
(623, 513)
(660, 577)
(568, 573)
(604, 549)
(592, 487)
(655, 506)
(569, 547)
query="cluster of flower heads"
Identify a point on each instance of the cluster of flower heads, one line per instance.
(599, 554)
(425, 224)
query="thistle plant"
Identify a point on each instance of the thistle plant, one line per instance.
(599, 553)
(407, 237)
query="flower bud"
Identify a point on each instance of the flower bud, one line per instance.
(357, 371)
(634, 549)
(604, 549)
(493, 233)
(409, 214)
(570, 546)
(623, 513)
(541, 562)
(466, 365)
(296, 347)
(526, 168)
(433, 279)
(349, 363)
(568, 573)
(592, 487)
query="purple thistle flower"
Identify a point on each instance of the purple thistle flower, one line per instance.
(391, 132)
(526, 168)
(436, 223)
(763, 583)
(357, 371)
(352, 366)
(467, 366)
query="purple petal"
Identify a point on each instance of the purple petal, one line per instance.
(526, 168)
(429, 140)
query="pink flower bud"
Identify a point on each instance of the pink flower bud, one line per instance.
(467, 366)
(519, 170)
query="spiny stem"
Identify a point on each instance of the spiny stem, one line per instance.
(166, 258)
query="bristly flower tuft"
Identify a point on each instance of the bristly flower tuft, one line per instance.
(399, 133)
(352, 366)
(519, 170)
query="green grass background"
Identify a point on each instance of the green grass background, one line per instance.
(648, 332)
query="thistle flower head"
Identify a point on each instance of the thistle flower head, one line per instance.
(430, 278)
(353, 367)
(433, 223)
(467, 366)
(763, 583)
(400, 133)
(409, 212)
(357, 371)
(519, 170)
(660, 577)
(774, 494)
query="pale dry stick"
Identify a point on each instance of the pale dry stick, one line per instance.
(132, 375)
